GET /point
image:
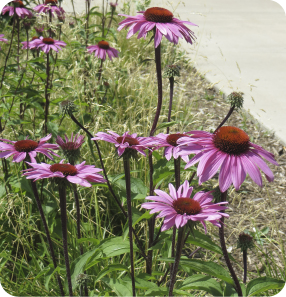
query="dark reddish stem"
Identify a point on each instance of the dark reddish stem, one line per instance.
(224, 250)
(244, 266)
(126, 162)
(160, 90)
(100, 70)
(9, 50)
(226, 118)
(46, 93)
(171, 79)
(180, 243)
(76, 198)
(177, 163)
(63, 207)
(151, 222)
(39, 205)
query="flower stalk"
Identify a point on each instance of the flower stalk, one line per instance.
(151, 222)
(47, 95)
(126, 162)
(224, 250)
(180, 243)
(171, 79)
(46, 228)
(244, 266)
(63, 207)
(9, 50)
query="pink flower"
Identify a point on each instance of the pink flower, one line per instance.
(71, 148)
(31, 44)
(178, 207)
(20, 149)
(20, 10)
(48, 43)
(230, 150)
(172, 149)
(101, 49)
(71, 144)
(77, 174)
(164, 23)
(3, 39)
(126, 141)
(50, 5)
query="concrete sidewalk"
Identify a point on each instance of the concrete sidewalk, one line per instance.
(241, 46)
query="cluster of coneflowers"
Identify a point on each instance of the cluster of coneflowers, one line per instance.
(227, 150)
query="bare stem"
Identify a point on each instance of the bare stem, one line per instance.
(171, 79)
(9, 50)
(244, 266)
(63, 206)
(126, 162)
(180, 243)
(46, 93)
(224, 250)
(160, 90)
(44, 222)
(226, 118)
(151, 222)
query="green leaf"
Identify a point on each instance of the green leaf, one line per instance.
(165, 125)
(111, 268)
(204, 241)
(93, 240)
(202, 282)
(78, 265)
(161, 291)
(49, 275)
(262, 284)
(114, 246)
(207, 267)
(229, 290)
(42, 75)
(119, 286)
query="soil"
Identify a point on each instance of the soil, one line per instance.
(251, 206)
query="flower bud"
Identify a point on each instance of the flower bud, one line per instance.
(245, 241)
(171, 71)
(235, 99)
(67, 106)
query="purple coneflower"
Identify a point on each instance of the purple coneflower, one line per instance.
(126, 141)
(172, 149)
(101, 49)
(48, 43)
(71, 147)
(3, 39)
(77, 174)
(31, 44)
(20, 10)
(21, 148)
(178, 208)
(162, 21)
(230, 150)
(50, 5)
